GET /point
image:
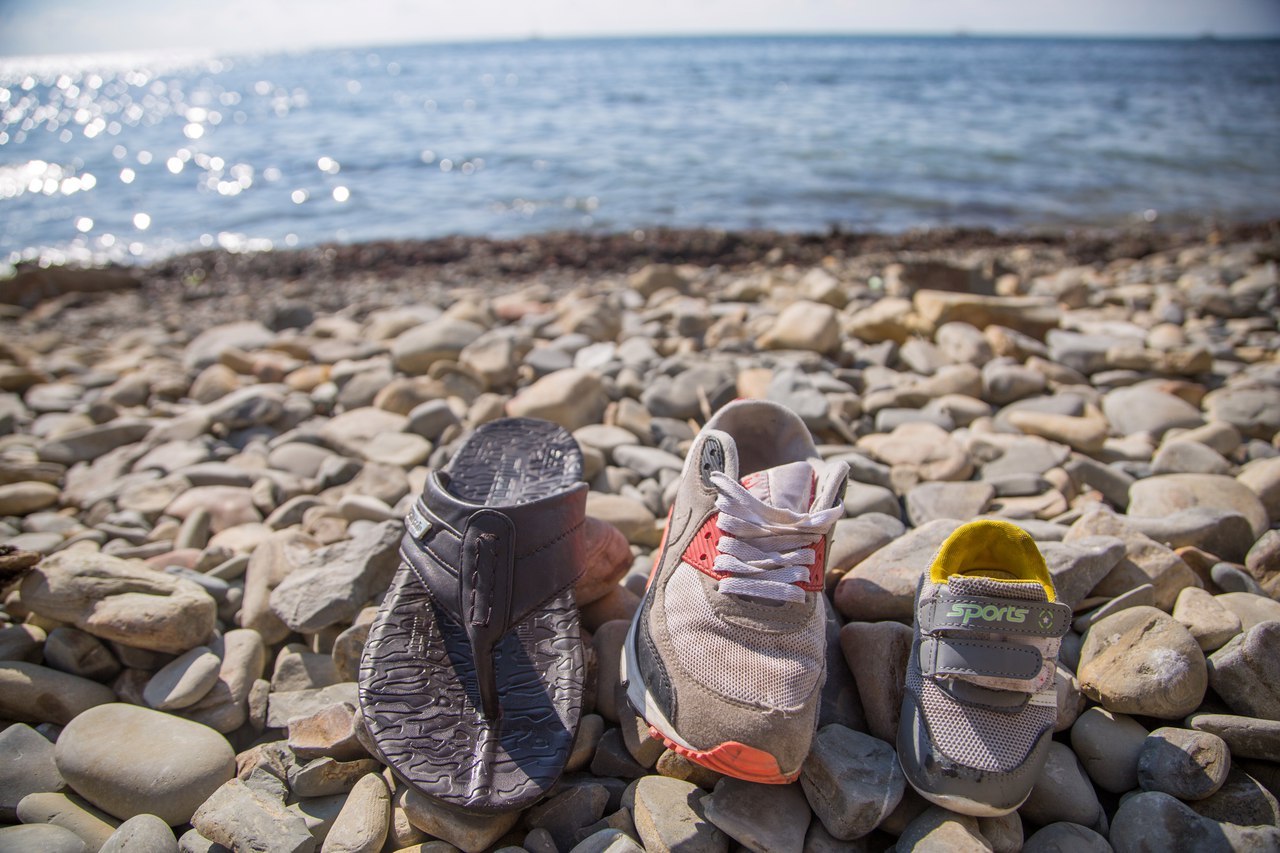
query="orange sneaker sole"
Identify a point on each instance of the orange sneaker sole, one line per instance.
(733, 759)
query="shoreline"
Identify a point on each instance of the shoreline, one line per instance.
(620, 251)
(617, 251)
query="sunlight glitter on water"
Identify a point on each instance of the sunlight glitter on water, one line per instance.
(42, 99)
(37, 176)
(510, 139)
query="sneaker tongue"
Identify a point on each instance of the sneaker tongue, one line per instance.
(788, 486)
(985, 586)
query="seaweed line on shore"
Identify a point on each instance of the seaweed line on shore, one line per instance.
(191, 291)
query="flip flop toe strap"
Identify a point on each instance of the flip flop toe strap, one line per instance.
(487, 572)
(491, 568)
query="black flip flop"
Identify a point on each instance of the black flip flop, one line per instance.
(471, 678)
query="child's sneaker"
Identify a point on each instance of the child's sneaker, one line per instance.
(980, 704)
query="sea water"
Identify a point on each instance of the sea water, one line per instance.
(135, 157)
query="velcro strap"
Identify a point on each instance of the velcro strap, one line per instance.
(949, 612)
(942, 656)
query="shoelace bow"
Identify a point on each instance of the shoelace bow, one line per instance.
(765, 549)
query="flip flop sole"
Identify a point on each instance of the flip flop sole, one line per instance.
(421, 703)
(418, 685)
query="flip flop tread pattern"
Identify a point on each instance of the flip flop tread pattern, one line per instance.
(427, 721)
(518, 461)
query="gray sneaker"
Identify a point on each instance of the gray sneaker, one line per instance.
(726, 656)
(980, 704)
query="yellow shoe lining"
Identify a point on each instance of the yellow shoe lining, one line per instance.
(992, 549)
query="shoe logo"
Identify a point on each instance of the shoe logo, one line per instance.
(416, 523)
(712, 459)
(965, 611)
(1046, 619)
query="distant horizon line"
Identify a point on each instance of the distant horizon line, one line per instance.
(535, 37)
(808, 34)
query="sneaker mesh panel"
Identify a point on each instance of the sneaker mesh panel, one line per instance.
(762, 668)
(976, 585)
(974, 736)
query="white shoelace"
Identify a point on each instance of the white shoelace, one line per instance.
(767, 549)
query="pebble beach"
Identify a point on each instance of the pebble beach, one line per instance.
(205, 464)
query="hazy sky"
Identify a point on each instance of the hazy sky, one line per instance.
(77, 26)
